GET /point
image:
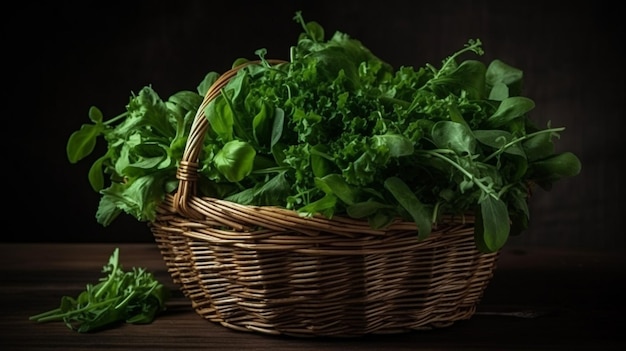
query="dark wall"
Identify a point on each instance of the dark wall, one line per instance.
(71, 55)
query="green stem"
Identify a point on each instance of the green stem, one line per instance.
(114, 119)
(517, 140)
(277, 169)
(504, 189)
(114, 262)
(472, 46)
(394, 101)
(53, 315)
(46, 314)
(439, 154)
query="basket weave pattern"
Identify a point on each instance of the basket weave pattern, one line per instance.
(270, 270)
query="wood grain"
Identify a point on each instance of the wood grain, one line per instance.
(538, 299)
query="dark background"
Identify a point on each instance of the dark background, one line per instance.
(63, 57)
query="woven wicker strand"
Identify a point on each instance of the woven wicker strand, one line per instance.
(270, 270)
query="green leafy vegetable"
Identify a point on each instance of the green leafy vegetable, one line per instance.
(134, 297)
(338, 131)
(145, 144)
(407, 199)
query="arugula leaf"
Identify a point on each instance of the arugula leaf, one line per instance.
(134, 297)
(453, 136)
(510, 109)
(504, 80)
(554, 167)
(337, 185)
(407, 199)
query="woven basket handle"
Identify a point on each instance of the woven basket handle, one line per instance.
(187, 172)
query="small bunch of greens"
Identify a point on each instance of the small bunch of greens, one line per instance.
(336, 131)
(134, 297)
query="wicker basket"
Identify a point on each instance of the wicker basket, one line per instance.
(269, 270)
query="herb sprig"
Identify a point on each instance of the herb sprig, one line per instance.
(134, 297)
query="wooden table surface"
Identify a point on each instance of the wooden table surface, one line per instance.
(539, 298)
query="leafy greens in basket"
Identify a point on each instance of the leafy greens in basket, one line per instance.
(335, 130)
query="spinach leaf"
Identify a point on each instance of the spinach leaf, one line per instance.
(235, 160)
(492, 224)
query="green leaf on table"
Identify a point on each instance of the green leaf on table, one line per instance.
(134, 297)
